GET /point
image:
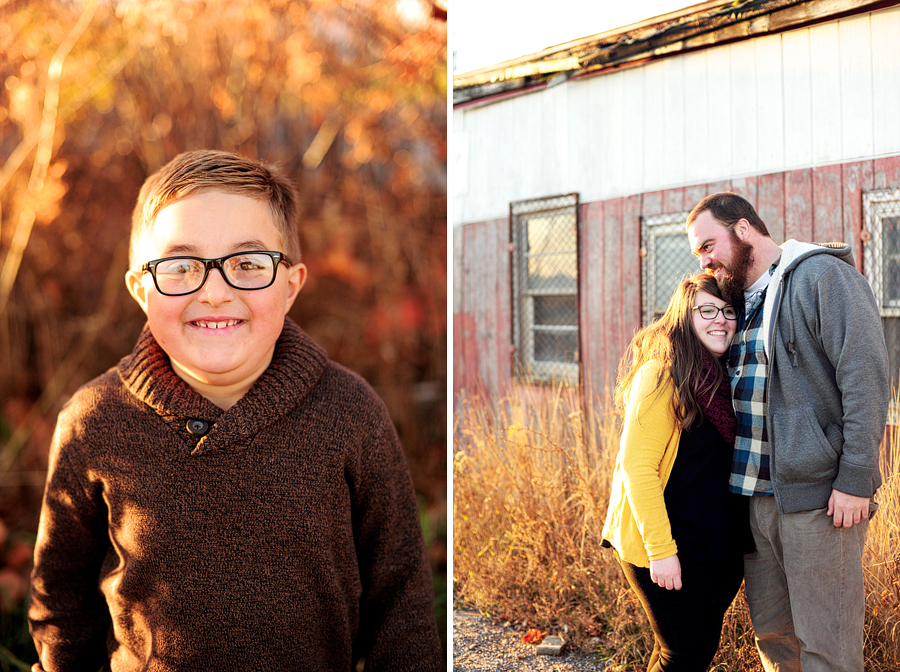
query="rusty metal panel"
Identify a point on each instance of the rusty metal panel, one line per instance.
(471, 315)
(856, 178)
(652, 203)
(798, 210)
(746, 187)
(887, 172)
(716, 187)
(613, 288)
(481, 327)
(770, 204)
(692, 195)
(593, 296)
(673, 201)
(631, 269)
(460, 326)
(828, 198)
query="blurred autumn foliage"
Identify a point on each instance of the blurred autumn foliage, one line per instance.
(348, 96)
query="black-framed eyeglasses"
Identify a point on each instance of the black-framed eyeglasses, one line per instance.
(177, 276)
(710, 312)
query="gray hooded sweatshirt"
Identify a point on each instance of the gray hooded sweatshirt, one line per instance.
(828, 386)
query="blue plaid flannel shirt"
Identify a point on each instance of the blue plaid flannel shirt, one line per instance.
(747, 369)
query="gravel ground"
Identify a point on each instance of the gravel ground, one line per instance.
(480, 645)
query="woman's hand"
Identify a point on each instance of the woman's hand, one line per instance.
(666, 573)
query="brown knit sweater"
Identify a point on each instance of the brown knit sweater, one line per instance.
(285, 538)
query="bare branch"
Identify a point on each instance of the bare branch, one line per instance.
(22, 232)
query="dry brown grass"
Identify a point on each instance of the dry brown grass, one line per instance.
(882, 563)
(531, 479)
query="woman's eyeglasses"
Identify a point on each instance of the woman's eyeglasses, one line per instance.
(710, 312)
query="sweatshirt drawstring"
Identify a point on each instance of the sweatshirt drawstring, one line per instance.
(792, 350)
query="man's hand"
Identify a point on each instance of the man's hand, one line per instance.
(847, 510)
(666, 573)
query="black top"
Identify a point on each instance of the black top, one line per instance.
(708, 522)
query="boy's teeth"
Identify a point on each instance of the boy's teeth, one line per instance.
(216, 325)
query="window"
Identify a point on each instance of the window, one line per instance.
(667, 260)
(881, 263)
(545, 288)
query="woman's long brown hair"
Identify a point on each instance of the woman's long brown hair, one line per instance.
(671, 341)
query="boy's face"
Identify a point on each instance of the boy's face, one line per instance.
(219, 339)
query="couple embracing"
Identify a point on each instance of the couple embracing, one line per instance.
(754, 409)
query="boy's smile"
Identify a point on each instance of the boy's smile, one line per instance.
(219, 339)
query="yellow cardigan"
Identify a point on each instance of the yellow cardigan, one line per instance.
(637, 524)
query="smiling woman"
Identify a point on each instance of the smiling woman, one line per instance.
(678, 533)
(714, 322)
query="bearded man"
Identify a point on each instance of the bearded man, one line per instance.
(809, 375)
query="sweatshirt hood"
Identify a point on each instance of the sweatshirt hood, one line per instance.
(792, 253)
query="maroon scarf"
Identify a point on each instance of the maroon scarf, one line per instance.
(717, 408)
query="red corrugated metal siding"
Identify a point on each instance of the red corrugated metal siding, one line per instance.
(482, 321)
(811, 204)
(591, 274)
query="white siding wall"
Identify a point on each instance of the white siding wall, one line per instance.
(826, 94)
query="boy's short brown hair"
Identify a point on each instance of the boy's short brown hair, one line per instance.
(207, 170)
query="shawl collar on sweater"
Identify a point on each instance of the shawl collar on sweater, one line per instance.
(297, 365)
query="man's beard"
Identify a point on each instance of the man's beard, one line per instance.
(733, 281)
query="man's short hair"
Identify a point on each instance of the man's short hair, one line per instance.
(728, 208)
(207, 170)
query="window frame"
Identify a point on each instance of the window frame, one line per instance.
(878, 204)
(526, 369)
(875, 203)
(652, 227)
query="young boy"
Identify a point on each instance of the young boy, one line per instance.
(226, 498)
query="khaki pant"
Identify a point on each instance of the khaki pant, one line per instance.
(805, 589)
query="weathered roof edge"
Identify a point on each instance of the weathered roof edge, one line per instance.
(709, 23)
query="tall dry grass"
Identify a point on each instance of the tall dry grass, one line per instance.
(531, 481)
(882, 561)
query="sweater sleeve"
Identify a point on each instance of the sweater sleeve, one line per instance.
(849, 327)
(68, 616)
(397, 625)
(648, 430)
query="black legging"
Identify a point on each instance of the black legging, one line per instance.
(687, 623)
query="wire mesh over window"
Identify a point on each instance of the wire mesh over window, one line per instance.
(545, 288)
(881, 265)
(667, 261)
